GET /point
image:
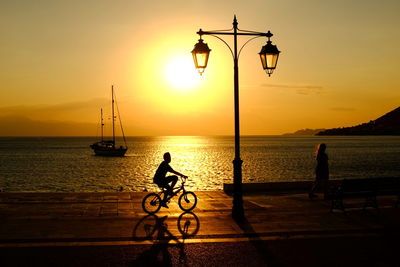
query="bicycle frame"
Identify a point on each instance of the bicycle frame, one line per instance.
(174, 193)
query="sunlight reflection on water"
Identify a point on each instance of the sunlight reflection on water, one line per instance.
(68, 164)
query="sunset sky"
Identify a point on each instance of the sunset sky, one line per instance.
(339, 65)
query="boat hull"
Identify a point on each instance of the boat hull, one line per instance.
(106, 149)
(117, 152)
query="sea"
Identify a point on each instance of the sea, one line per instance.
(67, 164)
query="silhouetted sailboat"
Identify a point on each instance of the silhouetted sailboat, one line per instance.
(108, 147)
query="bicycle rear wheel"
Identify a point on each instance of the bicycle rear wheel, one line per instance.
(145, 229)
(151, 203)
(187, 201)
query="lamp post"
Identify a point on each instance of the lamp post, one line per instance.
(269, 58)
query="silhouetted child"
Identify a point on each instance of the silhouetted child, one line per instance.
(164, 181)
(321, 171)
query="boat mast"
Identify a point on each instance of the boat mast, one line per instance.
(112, 108)
(102, 125)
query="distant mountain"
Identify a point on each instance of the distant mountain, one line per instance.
(388, 124)
(305, 132)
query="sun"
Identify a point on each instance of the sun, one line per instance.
(181, 74)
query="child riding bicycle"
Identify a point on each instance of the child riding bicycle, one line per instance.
(164, 181)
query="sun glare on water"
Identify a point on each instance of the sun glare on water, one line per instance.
(181, 74)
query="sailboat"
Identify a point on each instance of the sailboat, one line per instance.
(108, 147)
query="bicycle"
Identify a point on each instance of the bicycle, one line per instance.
(187, 200)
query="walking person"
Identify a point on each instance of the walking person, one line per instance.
(321, 172)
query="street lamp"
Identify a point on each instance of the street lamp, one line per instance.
(269, 58)
(200, 56)
(269, 55)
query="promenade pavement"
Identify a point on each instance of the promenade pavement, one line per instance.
(111, 229)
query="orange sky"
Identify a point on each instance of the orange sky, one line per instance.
(338, 66)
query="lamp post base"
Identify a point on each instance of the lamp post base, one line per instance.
(237, 207)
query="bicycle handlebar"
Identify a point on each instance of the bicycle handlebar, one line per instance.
(183, 179)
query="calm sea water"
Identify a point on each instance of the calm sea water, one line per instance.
(69, 165)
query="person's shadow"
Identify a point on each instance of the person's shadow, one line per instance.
(154, 229)
(258, 243)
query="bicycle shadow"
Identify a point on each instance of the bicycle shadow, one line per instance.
(155, 229)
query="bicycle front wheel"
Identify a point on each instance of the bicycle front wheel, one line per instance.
(187, 201)
(188, 224)
(151, 203)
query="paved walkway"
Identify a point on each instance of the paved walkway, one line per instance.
(50, 220)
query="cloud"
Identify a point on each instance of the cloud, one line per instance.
(54, 107)
(300, 89)
(343, 109)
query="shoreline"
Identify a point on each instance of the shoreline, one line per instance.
(277, 187)
(268, 187)
(288, 187)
